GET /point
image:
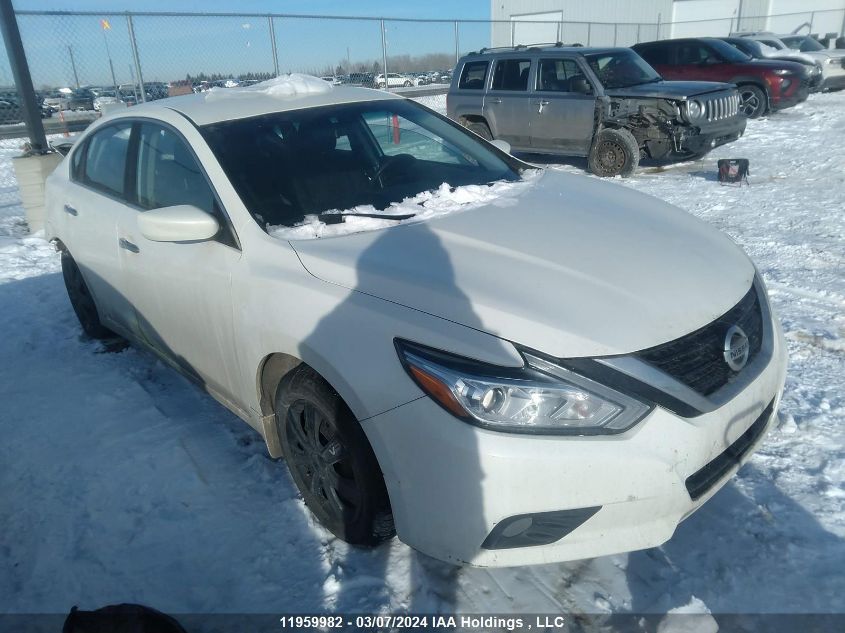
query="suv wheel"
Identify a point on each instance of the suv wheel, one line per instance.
(81, 300)
(407, 84)
(752, 101)
(480, 128)
(614, 153)
(331, 461)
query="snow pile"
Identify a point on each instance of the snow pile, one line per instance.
(424, 206)
(291, 85)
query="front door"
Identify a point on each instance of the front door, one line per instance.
(562, 116)
(506, 107)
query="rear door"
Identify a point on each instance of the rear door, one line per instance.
(506, 104)
(561, 118)
(94, 205)
(181, 290)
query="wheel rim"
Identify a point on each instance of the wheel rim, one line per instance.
(321, 462)
(750, 102)
(611, 157)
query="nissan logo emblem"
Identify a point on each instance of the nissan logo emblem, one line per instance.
(736, 348)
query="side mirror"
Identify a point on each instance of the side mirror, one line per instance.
(502, 145)
(180, 223)
(581, 86)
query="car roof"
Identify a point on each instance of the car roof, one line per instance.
(543, 48)
(229, 104)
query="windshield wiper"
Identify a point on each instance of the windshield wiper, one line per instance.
(337, 218)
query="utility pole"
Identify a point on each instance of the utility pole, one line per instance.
(23, 80)
(73, 65)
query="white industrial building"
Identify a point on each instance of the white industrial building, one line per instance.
(625, 22)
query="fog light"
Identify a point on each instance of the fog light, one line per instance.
(540, 528)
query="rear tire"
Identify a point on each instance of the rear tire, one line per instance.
(480, 128)
(82, 302)
(753, 102)
(614, 153)
(331, 461)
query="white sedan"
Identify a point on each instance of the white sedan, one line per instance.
(505, 365)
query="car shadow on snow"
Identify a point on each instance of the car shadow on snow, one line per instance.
(749, 550)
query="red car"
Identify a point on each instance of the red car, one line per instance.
(763, 84)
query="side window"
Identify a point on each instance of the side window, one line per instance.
(105, 159)
(167, 172)
(693, 54)
(511, 74)
(657, 55)
(556, 75)
(76, 163)
(473, 76)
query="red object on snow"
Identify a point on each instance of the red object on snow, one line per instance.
(395, 130)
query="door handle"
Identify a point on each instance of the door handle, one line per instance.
(70, 210)
(542, 103)
(495, 100)
(127, 245)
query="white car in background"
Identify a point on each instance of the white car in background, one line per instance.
(107, 99)
(832, 60)
(507, 365)
(394, 80)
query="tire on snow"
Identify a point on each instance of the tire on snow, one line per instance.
(615, 152)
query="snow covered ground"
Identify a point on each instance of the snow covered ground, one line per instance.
(119, 482)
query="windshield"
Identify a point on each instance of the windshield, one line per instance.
(802, 43)
(621, 69)
(288, 165)
(749, 47)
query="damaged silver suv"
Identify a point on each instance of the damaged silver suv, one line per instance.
(607, 104)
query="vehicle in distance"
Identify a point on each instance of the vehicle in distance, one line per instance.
(832, 60)
(394, 80)
(491, 382)
(758, 50)
(604, 103)
(763, 85)
(107, 98)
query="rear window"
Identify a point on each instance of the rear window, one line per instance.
(474, 75)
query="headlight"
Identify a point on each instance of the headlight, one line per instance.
(833, 60)
(782, 71)
(539, 397)
(694, 109)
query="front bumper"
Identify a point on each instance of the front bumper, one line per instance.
(798, 95)
(711, 137)
(451, 483)
(833, 82)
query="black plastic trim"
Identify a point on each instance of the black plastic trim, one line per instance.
(545, 528)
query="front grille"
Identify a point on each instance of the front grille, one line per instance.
(704, 479)
(697, 359)
(721, 107)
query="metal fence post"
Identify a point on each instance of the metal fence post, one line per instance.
(513, 33)
(384, 56)
(589, 29)
(23, 80)
(812, 19)
(615, 29)
(135, 57)
(273, 46)
(559, 32)
(658, 27)
(638, 32)
(457, 44)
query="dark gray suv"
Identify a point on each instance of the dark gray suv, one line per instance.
(604, 103)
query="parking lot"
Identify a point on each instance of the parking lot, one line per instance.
(214, 525)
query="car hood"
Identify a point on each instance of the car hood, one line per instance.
(573, 267)
(670, 89)
(831, 53)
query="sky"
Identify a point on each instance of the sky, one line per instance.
(66, 50)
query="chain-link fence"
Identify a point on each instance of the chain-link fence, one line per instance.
(83, 63)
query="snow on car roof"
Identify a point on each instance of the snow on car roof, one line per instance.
(287, 92)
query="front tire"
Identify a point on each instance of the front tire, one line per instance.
(81, 300)
(753, 102)
(331, 461)
(614, 153)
